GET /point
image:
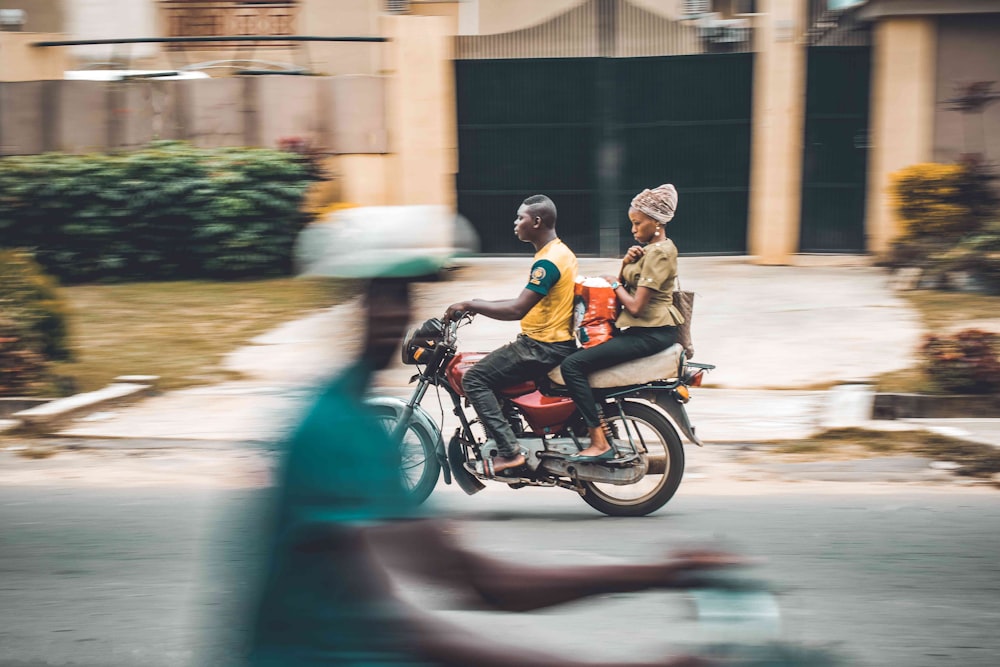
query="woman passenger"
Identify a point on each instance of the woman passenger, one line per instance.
(648, 321)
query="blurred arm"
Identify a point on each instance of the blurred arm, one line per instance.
(507, 309)
(427, 548)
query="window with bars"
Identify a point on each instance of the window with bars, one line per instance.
(397, 6)
(695, 7)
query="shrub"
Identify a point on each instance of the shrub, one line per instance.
(165, 212)
(21, 368)
(968, 361)
(933, 200)
(979, 255)
(948, 214)
(34, 312)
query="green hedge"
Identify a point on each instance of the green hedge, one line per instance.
(166, 212)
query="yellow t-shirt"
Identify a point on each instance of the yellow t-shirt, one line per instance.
(657, 270)
(552, 276)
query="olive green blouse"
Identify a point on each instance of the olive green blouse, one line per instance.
(657, 270)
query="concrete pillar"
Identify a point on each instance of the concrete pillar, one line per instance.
(902, 119)
(362, 179)
(423, 138)
(777, 131)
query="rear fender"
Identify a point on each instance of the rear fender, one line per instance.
(665, 400)
(420, 417)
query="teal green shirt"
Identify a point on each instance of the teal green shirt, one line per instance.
(322, 603)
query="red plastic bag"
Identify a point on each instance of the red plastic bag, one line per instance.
(595, 309)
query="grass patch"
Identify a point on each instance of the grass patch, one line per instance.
(906, 381)
(37, 452)
(177, 330)
(977, 460)
(940, 311)
(944, 310)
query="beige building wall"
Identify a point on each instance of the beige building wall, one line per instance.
(968, 51)
(777, 132)
(42, 15)
(508, 15)
(449, 9)
(902, 113)
(490, 17)
(19, 61)
(111, 19)
(338, 19)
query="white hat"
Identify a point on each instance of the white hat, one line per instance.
(383, 242)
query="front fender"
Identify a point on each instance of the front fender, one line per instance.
(420, 416)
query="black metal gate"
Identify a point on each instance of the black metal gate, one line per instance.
(527, 126)
(835, 158)
(592, 132)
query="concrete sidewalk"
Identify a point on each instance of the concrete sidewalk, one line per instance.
(775, 333)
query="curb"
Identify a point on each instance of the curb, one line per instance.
(44, 417)
(10, 406)
(927, 406)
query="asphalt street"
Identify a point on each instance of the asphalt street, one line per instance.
(158, 574)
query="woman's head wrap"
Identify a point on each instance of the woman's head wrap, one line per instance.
(658, 203)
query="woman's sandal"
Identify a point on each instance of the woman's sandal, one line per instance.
(608, 455)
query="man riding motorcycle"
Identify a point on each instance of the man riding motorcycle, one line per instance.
(545, 308)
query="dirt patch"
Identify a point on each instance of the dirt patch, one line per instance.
(125, 468)
(972, 459)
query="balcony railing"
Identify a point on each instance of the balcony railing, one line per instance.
(198, 18)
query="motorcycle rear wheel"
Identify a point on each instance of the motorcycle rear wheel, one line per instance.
(419, 467)
(652, 492)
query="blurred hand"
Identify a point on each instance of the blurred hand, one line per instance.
(633, 254)
(706, 559)
(455, 310)
(679, 564)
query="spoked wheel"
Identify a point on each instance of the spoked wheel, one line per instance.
(665, 454)
(419, 467)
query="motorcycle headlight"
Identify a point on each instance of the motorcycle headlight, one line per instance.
(421, 341)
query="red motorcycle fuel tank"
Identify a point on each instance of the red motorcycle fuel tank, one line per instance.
(463, 361)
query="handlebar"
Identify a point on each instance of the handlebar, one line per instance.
(458, 319)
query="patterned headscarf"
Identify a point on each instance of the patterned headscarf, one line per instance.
(658, 203)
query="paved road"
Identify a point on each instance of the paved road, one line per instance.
(97, 575)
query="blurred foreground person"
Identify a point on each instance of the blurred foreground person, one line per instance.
(342, 516)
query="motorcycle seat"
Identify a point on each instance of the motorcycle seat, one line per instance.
(663, 365)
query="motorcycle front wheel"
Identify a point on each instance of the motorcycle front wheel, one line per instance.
(419, 468)
(665, 453)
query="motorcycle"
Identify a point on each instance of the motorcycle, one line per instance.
(638, 397)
